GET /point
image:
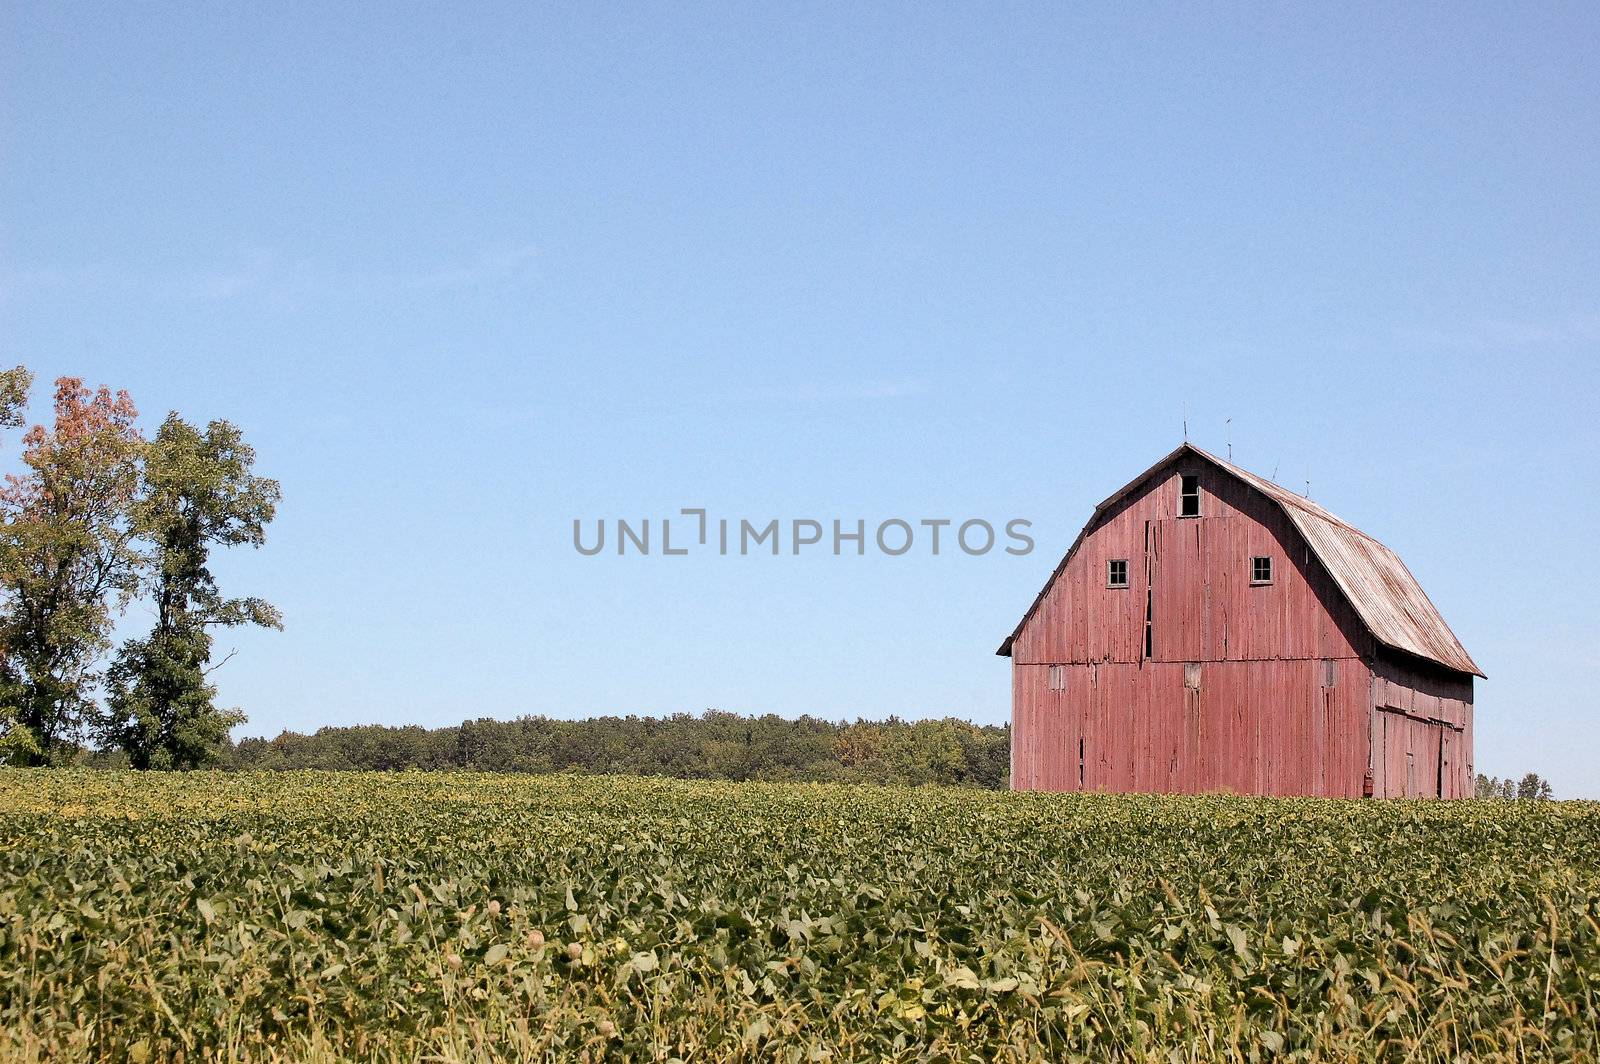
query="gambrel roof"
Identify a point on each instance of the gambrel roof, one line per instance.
(1377, 584)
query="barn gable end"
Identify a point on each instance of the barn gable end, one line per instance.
(1370, 577)
(1208, 630)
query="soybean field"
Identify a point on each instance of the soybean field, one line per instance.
(456, 917)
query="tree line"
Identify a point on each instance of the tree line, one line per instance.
(1531, 787)
(97, 519)
(711, 745)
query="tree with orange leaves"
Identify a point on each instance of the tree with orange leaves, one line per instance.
(68, 561)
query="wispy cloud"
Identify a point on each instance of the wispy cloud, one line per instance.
(218, 286)
(494, 267)
(272, 278)
(807, 392)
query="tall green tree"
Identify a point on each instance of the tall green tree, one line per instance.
(67, 560)
(1534, 787)
(198, 491)
(14, 385)
(15, 741)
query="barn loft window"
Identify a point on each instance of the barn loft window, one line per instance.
(1117, 572)
(1058, 677)
(1189, 495)
(1260, 570)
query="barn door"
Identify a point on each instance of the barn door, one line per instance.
(1450, 764)
(1416, 758)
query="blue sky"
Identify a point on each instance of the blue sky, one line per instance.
(464, 273)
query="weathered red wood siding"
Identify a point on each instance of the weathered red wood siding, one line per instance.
(1205, 607)
(1236, 693)
(1421, 730)
(1277, 688)
(1250, 727)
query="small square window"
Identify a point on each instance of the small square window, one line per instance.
(1117, 572)
(1058, 677)
(1260, 570)
(1189, 495)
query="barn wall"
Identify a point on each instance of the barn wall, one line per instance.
(1421, 730)
(1204, 607)
(1250, 727)
(1234, 693)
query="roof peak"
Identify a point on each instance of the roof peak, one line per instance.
(1272, 488)
(1383, 592)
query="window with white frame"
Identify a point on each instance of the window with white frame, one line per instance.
(1189, 495)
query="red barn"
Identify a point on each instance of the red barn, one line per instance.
(1211, 631)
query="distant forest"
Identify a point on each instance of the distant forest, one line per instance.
(713, 745)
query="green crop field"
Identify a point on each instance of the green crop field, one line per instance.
(465, 917)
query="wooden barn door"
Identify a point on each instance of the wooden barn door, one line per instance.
(1450, 743)
(1414, 758)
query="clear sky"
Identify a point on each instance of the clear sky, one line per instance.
(464, 273)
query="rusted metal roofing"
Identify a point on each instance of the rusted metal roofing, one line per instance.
(1372, 577)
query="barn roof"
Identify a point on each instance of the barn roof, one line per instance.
(1372, 577)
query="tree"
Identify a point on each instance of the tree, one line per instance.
(14, 385)
(66, 559)
(712, 745)
(1534, 787)
(15, 741)
(197, 491)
